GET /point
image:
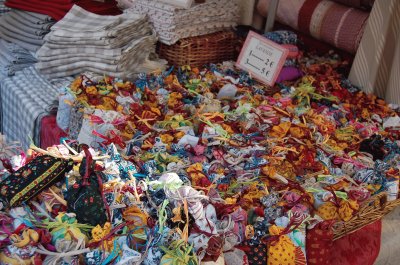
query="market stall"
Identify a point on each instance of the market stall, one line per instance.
(172, 153)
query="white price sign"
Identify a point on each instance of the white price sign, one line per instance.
(262, 58)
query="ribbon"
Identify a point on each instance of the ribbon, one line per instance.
(273, 240)
(98, 120)
(7, 165)
(95, 119)
(162, 217)
(339, 160)
(68, 252)
(89, 161)
(114, 139)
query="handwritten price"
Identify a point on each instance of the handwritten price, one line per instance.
(262, 58)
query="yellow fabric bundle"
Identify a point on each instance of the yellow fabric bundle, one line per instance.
(283, 251)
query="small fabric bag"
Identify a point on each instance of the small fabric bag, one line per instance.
(256, 254)
(85, 197)
(319, 242)
(28, 181)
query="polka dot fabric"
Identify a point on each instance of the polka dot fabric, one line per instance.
(282, 251)
(256, 255)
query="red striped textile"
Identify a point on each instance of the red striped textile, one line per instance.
(58, 8)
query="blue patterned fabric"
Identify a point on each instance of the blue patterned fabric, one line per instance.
(3, 8)
(25, 99)
(14, 58)
(282, 37)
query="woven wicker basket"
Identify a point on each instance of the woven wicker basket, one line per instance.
(372, 210)
(198, 51)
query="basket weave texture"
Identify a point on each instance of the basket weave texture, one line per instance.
(372, 210)
(198, 51)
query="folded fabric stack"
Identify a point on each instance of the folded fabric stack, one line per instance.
(13, 58)
(25, 99)
(173, 23)
(58, 8)
(3, 8)
(27, 29)
(82, 41)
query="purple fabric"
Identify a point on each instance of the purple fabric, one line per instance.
(289, 73)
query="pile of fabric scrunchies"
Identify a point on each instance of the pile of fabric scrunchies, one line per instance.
(199, 166)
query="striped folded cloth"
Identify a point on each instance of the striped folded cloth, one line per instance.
(174, 23)
(119, 46)
(14, 58)
(27, 29)
(26, 98)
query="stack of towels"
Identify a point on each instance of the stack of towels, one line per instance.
(13, 58)
(27, 29)
(26, 98)
(119, 46)
(58, 8)
(174, 23)
(3, 8)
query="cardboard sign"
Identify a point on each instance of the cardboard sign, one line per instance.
(262, 58)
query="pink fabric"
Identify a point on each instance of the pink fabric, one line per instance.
(289, 73)
(338, 25)
(293, 50)
(343, 27)
(289, 10)
(50, 133)
(357, 3)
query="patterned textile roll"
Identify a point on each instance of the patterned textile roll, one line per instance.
(336, 24)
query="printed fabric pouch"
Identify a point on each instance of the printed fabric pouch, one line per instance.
(85, 197)
(236, 257)
(319, 241)
(99, 121)
(281, 249)
(28, 181)
(297, 236)
(234, 226)
(256, 254)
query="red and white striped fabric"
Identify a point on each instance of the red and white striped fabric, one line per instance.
(336, 24)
